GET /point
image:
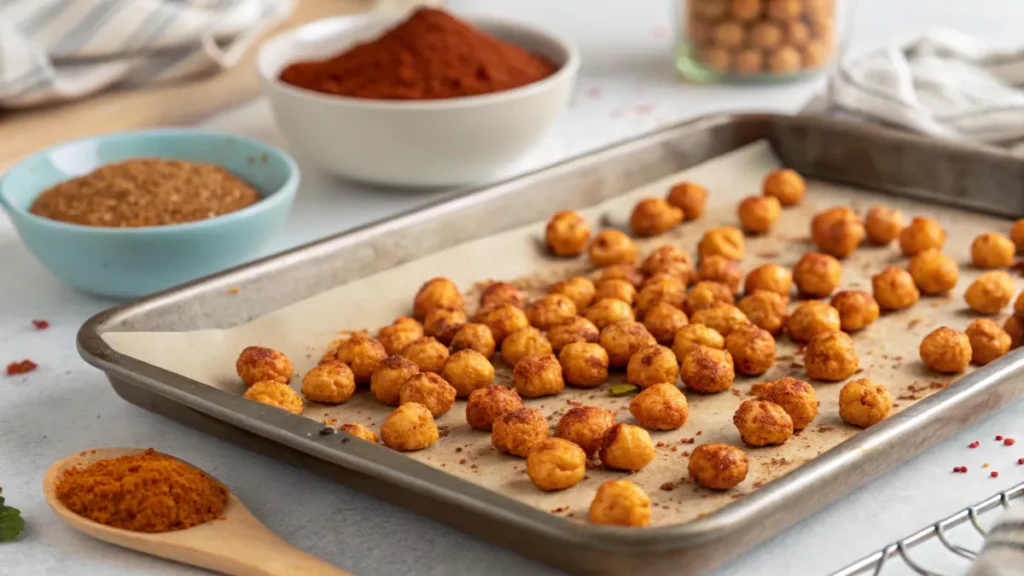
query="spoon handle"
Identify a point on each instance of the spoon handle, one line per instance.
(261, 553)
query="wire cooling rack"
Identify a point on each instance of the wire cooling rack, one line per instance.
(944, 548)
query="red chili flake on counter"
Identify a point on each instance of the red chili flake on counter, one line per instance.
(973, 444)
(999, 438)
(994, 474)
(1020, 461)
(23, 367)
(959, 469)
(41, 324)
(1009, 442)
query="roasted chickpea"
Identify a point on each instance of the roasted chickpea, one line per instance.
(785, 60)
(608, 311)
(612, 247)
(578, 289)
(705, 295)
(430, 390)
(399, 334)
(693, 335)
(766, 310)
(536, 376)
(752, 350)
(1014, 327)
(669, 260)
(476, 337)
(497, 293)
(946, 351)
(726, 242)
(627, 272)
(864, 403)
(620, 503)
(660, 407)
(663, 320)
(771, 278)
(728, 34)
(992, 250)
(894, 289)
(812, 318)
(831, 356)
(579, 329)
(883, 225)
(389, 376)
(746, 10)
(523, 343)
(797, 33)
(567, 233)
(408, 428)
(654, 216)
(329, 383)
(626, 447)
(551, 310)
(437, 293)
(486, 404)
(817, 275)
(748, 61)
(427, 353)
(722, 270)
(922, 234)
(442, 324)
(467, 370)
(502, 320)
(671, 292)
(786, 185)
(796, 397)
(1017, 234)
(623, 339)
(359, 431)
(585, 426)
(584, 364)
(988, 341)
(257, 364)
(857, 309)
(723, 318)
(707, 370)
(837, 231)
(718, 466)
(615, 289)
(275, 393)
(990, 292)
(762, 423)
(652, 365)
(517, 431)
(766, 35)
(785, 10)
(933, 272)
(758, 214)
(691, 198)
(362, 353)
(555, 464)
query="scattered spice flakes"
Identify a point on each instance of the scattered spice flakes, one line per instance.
(973, 444)
(994, 474)
(668, 486)
(771, 254)
(560, 509)
(458, 449)
(660, 444)
(1009, 442)
(23, 367)
(40, 324)
(759, 483)
(687, 440)
(699, 432)
(914, 322)
(735, 392)
(462, 461)
(1020, 461)
(443, 431)
(959, 469)
(233, 290)
(999, 438)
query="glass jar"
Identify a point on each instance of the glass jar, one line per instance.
(756, 40)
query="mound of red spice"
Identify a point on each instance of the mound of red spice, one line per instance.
(431, 55)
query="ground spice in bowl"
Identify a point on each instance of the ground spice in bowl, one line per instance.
(145, 492)
(432, 55)
(145, 192)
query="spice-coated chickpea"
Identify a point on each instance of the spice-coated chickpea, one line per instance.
(785, 10)
(671, 292)
(362, 353)
(359, 431)
(608, 311)
(883, 225)
(691, 198)
(497, 293)
(864, 403)
(796, 397)
(823, 30)
(726, 241)
(620, 503)
(752, 350)
(992, 250)
(758, 214)
(616, 289)
(579, 289)
(536, 376)
(990, 292)
(517, 431)
(820, 9)
(748, 61)
(556, 464)
(922, 234)
(525, 342)
(785, 60)
(933, 272)
(707, 370)
(654, 216)
(769, 277)
(831, 356)
(427, 353)
(502, 320)
(612, 247)
(762, 423)
(550, 311)
(627, 272)
(329, 383)
(585, 426)
(946, 351)
(797, 33)
(663, 320)
(486, 404)
(623, 339)
(815, 54)
(1017, 234)
(786, 185)
(720, 269)
(857, 309)
(442, 323)
(718, 466)
(257, 364)
(766, 310)
(567, 233)
(745, 10)
(408, 428)
(812, 318)
(709, 9)
(988, 341)
(1014, 327)
(436, 293)
(723, 318)
(399, 334)
(692, 335)
(705, 295)
(276, 394)
(660, 407)
(468, 370)
(430, 390)
(626, 447)
(728, 34)
(474, 337)
(652, 365)
(584, 364)
(894, 289)
(766, 35)
(817, 275)
(837, 231)
(579, 329)
(389, 376)
(669, 260)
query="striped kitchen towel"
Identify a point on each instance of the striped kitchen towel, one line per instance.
(57, 50)
(1003, 554)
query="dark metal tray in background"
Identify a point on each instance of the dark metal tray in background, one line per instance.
(824, 149)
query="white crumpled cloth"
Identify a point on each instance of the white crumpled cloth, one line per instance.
(57, 50)
(1003, 554)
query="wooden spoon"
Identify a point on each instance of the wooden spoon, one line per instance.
(237, 544)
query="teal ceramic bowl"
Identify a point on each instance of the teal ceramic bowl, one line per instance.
(130, 262)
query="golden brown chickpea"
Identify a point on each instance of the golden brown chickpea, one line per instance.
(497, 293)
(329, 383)
(276, 394)
(257, 364)
(758, 214)
(728, 34)
(883, 225)
(933, 272)
(786, 185)
(837, 231)
(362, 353)
(857, 309)
(709, 9)
(430, 390)
(817, 275)
(389, 376)
(762, 423)
(766, 310)
(723, 318)
(922, 234)
(894, 289)
(626, 447)
(652, 365)
(946, 351)
(669, 260)
(523, 343)
(442, 324)
(988, 341)
(584, 364)
(474, 337)
(990, 292)
(796, 397)
(771, 278)
(567, 234)
(517, 431)
(536, 376)
(691, 198)
(785, 60)
(831, 357)
(746, 10)
(550, 311)
(468, 370)
(707, 370)
(627, 272)
(654, 216)
(502, 320)
(749, 61)
(579, 289)
(408, 428)
(766, 35)
(690, 336)
(620, 503)
(797, 33)
(718, 466)
(359, 431)
(555, 464)
(608, 311)
(623, 339)
(399, 334)
(437, 293)
(427, 353)
(486, 404)
(722, 270)
(1017, 234)
(616, 290)
(752, 350)
(612, 247)
(705, 295)
(585, 426)
(785, 10)
(672, 293)
(660, 407)
(816, 54)
(992, 250)
(1014, 327)
(663, 320)
(812, 318)
(864, 403)
(579, 329)
(726, 242)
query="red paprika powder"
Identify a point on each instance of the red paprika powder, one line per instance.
(431, 55)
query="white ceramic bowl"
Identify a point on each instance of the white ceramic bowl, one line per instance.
(420, 143)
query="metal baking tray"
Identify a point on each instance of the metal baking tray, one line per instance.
(823, 149)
